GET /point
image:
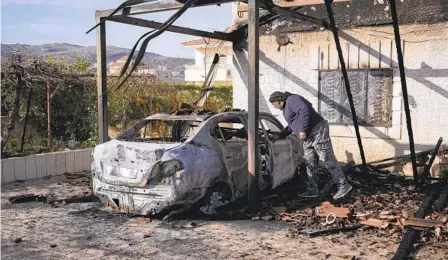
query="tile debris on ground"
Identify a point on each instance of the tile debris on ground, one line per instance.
(381, 202)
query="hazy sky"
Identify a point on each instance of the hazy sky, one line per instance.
(51, 21)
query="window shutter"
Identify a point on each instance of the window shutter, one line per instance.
(371, 91)
(330, 96)
(358, 88)
(379, 97)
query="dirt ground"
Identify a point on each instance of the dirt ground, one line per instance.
(85, 231)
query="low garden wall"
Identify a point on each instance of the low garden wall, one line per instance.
(49, 164)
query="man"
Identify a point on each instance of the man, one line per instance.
(313, 130)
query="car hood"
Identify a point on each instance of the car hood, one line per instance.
(127, 163)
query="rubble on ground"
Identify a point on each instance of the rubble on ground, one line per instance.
(381, 202)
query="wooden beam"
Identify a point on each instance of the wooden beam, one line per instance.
(156, 6)
(101, 82)
(177, 29)
(242, 7)
(253, 104)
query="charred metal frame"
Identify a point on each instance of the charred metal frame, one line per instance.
(177, 29)
(404, 88)
(252, 30)
(334, 29)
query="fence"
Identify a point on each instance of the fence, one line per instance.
(49, 164)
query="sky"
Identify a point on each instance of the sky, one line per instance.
(66, 21)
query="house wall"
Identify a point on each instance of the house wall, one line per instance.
(200, 52)
(198, 57)
(195, 73)
(295, 68)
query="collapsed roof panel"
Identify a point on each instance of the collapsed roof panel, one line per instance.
(359, 13)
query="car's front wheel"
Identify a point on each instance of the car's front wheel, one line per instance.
(217, 196)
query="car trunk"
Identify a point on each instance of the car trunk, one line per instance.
(128, 163)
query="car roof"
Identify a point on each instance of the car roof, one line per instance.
(196, 117)
(168, 117)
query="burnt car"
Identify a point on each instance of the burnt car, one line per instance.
(193, 160)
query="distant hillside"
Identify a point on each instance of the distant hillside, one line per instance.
(70, 52)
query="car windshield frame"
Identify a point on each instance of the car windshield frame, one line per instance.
(131, 133)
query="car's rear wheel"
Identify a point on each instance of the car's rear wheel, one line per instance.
(216, 197)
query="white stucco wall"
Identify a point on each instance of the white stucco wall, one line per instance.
(48, 164)
(295, 69)
(195, 73)
(210, 51)
(198, 57)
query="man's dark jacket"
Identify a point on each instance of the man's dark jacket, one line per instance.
(300, 116)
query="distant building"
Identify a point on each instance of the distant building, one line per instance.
(170, 76)
(93, 68)
(204, 51)
(142, 69)
(152, 71)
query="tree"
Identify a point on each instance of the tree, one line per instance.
(14, 74)
(63, 103)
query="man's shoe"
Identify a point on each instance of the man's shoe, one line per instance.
(343, 190)
(308, 194)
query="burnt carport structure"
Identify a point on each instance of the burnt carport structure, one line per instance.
(251, 31)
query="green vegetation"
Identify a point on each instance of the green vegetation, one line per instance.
(73, 104)
(145, 97)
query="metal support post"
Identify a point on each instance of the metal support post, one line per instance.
(404, 88)
(101, 81)
(345, 76)
(253, 105)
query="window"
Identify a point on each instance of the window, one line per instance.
(270, 126)
(229, 131)
(371, 91)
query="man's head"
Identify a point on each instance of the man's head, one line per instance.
(278, 99)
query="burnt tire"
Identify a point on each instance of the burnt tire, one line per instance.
(216, 197)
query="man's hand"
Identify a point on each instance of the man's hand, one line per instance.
(302, 136)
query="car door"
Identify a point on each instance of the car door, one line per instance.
(230, 134)
(286, 152)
